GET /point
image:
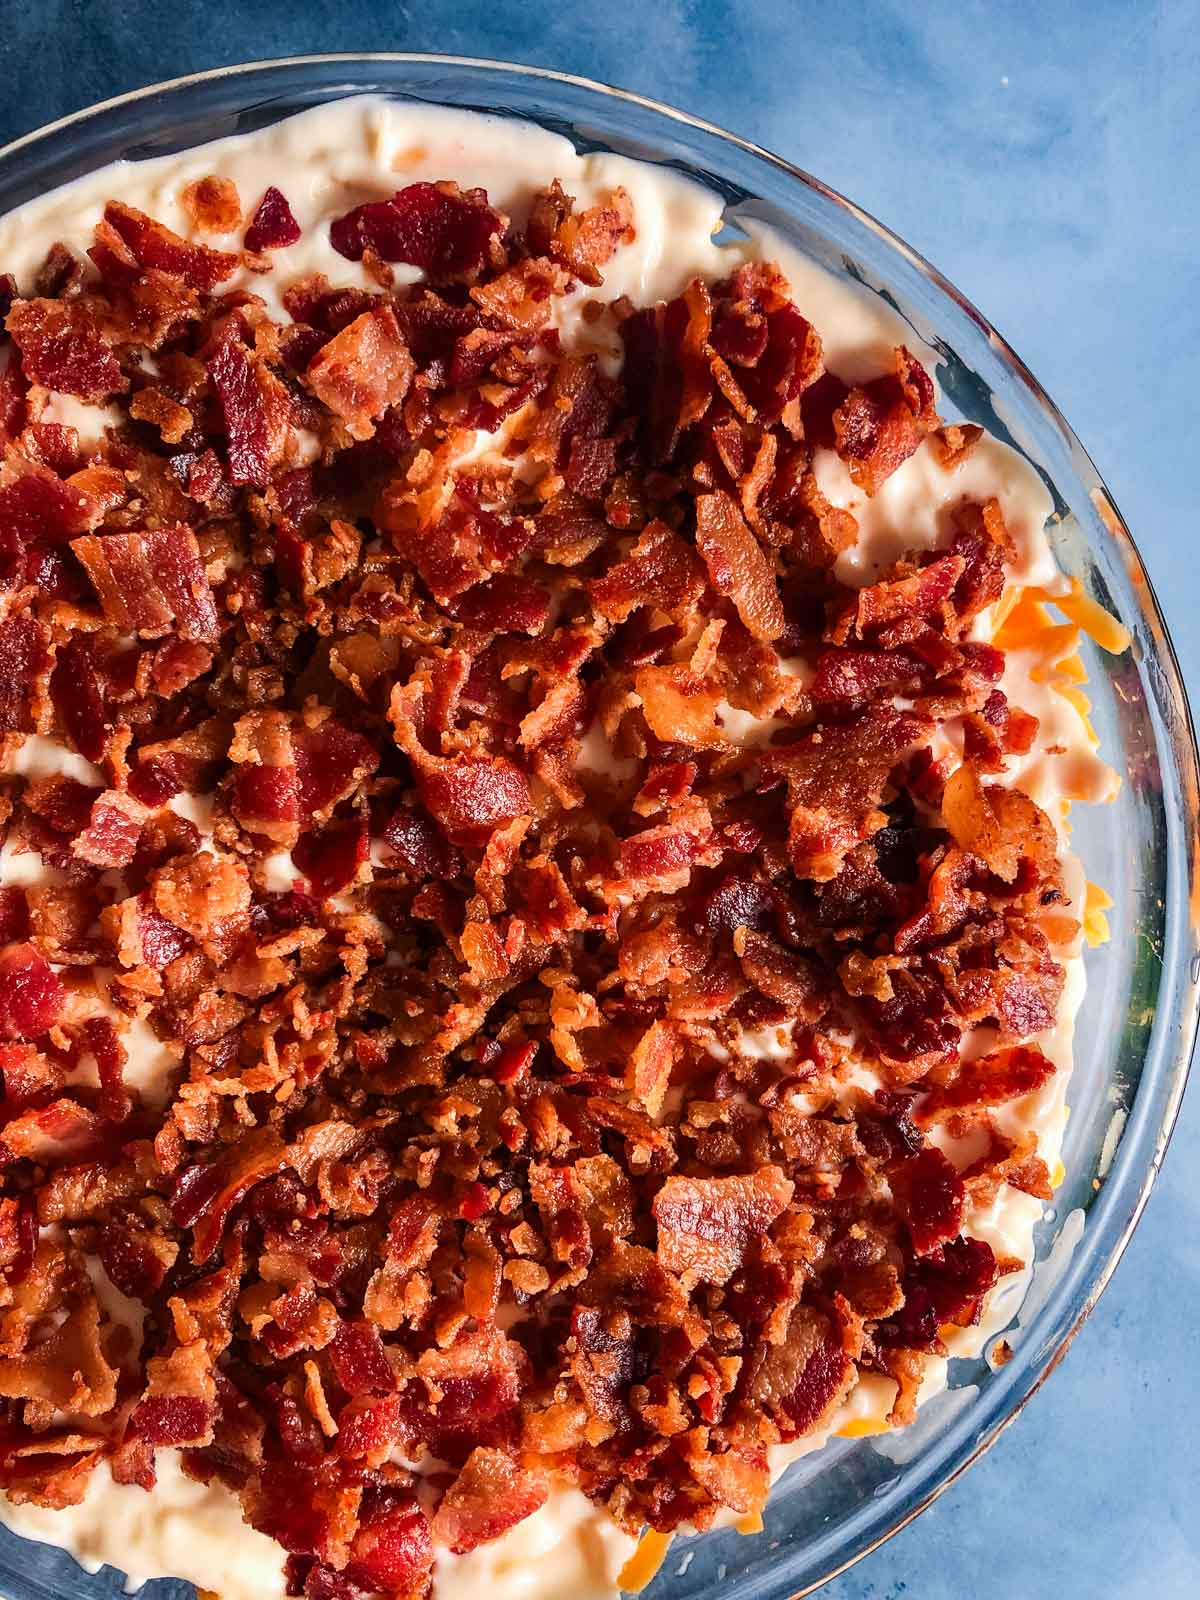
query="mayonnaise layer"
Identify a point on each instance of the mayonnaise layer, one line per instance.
(326, 161)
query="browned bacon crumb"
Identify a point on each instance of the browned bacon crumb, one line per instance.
(460, 1156)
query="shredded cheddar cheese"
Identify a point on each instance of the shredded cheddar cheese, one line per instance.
(1095, 923)
(644, 1562)
(1102, 628)
(1076, 697)
(1057, 1176)
(1025, 623)
(863, 1428)
(1072, 669)
(752, 1522)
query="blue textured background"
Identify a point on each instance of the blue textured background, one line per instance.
(1045, 157)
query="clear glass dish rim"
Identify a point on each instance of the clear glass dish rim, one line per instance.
(1182, 739)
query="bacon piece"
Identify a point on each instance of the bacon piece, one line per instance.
(62, 347)
(24, 658)
(32, 996)
(648, 1074)
(331, 762)
(660, 571)
(392, 1552)
(116, 1101)
(836, 775)
(38, 513)
(170, 1419)
(490, 1495)
(255, 407)
(69, 1371)
(667, 369)
(947, 1285)
(793, 980)
(583, 242)
(273, 225)
(439, 228)
(334, 857)
(472, 796)
(737, 565)
(680, 707)
(917, 596)
(213, 204)
(113, 831)
(929, 1196)
(847, 678)
(520, 300)
(421, 846)
(507, 604)
(152, 581)
(135, 1259)
(706, 1226)
(790, 362)
(204, 1196)
(878, 426)
(363, 371)
(803, 1379)
(156, 247)
(359, 1360)
(985, 547)
(990, 1081)
(1001, 826)
(477, 1384)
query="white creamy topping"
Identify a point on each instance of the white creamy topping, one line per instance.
(326, 161)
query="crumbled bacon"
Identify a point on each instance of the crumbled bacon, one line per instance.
(425, 843)
(31, 995)
(436, 227)
(490, 1495)
(156, 248)
(273, 225)
(62, 347)
(363, 370)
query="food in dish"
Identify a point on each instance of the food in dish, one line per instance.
(541, 946)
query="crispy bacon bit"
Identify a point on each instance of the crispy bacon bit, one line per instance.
(155, 247)
(706, 1226)
(359, 1360)
(255, 407)
(836, 776)
(31, 996)
(581, 243)
(426, 843)
(878, 426)
(62, 347)
(392, 1552)
(737, 566)
(213, 204)
(363, 370)
(490, 1495)
(929, 1195)
(273, 226)
(24, 658)
(436, 227)
(471, 796)
(151, 582)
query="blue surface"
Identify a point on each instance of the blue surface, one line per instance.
(1045, 158)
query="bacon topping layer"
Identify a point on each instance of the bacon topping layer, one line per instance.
(424, 844)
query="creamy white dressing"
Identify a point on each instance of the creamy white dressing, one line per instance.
(326, 161)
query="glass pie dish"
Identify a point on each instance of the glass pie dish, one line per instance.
(1138, 1024)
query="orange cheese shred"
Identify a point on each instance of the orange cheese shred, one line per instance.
(644, 1562)
(1101, 627)
(1095, 923)
(863, 1428)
